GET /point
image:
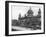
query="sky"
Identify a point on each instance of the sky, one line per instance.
(16, 9)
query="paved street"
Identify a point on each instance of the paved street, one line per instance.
(21, 28)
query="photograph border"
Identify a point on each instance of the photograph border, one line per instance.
(7, 17)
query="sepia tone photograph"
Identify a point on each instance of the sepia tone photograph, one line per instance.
(25, 18)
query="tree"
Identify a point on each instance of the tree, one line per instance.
(30, 12)
(39, 12)
(19, 15)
